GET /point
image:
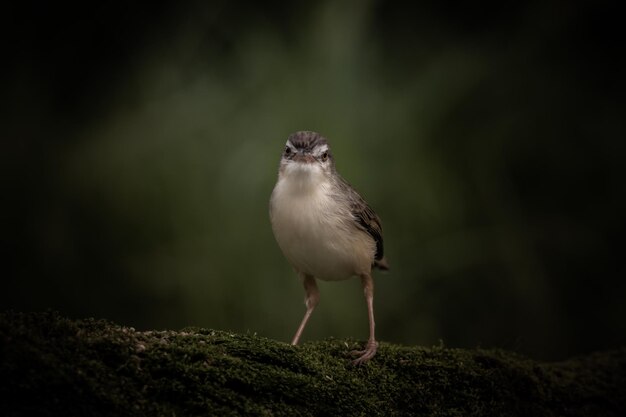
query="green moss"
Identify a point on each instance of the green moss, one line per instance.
(51, 365)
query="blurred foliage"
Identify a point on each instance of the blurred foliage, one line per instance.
(141, 147)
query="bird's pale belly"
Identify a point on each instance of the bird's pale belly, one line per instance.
(320, 256)
(319, 244)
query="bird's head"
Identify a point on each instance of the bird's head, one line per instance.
(307, 153)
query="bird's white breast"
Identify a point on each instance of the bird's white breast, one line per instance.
(315, 232)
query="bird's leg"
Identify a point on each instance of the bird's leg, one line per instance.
(311, 301)
(371, 346)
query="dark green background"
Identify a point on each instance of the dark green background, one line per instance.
(141, 144)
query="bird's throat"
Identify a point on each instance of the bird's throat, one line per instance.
(303, 177)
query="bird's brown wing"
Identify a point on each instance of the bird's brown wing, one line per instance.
(367, 220)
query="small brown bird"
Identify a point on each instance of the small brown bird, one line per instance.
(323, 226)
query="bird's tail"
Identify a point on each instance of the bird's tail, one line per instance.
(381, 264)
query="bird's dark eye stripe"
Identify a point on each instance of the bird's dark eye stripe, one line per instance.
(287, 150)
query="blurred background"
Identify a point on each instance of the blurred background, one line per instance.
(140, 145)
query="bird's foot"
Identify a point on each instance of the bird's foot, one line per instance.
(366, 354)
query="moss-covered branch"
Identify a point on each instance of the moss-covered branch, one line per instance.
(55, 366)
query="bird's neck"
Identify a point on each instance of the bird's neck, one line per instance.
(303, 179)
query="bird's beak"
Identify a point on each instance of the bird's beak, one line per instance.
(304, 157)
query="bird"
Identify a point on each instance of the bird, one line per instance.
(324, 228)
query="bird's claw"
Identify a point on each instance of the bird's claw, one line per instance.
(366, 354)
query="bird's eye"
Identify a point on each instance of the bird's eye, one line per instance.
(324, 156)
(287, 150)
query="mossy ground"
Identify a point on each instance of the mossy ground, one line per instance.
(51, 365)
